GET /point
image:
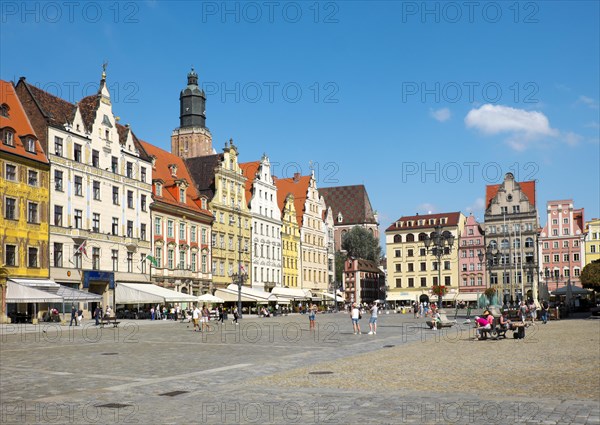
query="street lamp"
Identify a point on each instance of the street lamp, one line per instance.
(239, 277)
(437, 243)
(490, 256)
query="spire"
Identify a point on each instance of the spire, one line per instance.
(192, 78)
(192, 103)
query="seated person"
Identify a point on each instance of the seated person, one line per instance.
(481, 323)
(504, 322)
(490, 319)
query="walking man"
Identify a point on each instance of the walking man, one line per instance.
(73, 316)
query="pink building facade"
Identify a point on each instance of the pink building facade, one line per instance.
(472, 277)
(561, 245)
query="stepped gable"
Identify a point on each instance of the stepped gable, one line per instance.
(352, 201)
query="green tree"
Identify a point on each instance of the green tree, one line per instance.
(360, 243)
(590, 276)
(340, 258)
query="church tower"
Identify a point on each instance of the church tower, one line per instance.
(192, 138)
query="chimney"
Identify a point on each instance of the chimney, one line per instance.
(296, 177)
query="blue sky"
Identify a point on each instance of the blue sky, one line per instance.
(424, 103)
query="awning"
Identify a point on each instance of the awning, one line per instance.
(575, 290)
(141, 293)
(467, 296)
(47, 285)
(253, 293)
(295, 294)
(329, 296)
(72, 294)
(401, 296)
(231, 296)
(17, 293)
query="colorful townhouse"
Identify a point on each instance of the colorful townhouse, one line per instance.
(471, 261)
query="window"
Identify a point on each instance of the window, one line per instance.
(423, 267)
(11, 255)
(554, 232)
(32, 257)
(115, 226)
(170, 255)
(143, 202)
(78, 186)
(129, 228)
(129, 169)
(58, 254)
(58, 181)
(182, 260)
(446, 265)
(565, 231)
(10, 209)
(204, 262)
(398, 267)
(423, 282)
(77, 152)
(143, 231)
(398, 283)
(115, 195)
(565, 221)
(193, 234)
(32, 178)
(556, 258)
(157, 226)
(181, 231)
(130, 199)
(96, 190)
(130, 262)
(554, 221)
(77, 257)
(397, 238)
(143, 174)
(58, 215)
(410, 253)
(114, 256)
(422, 252)
(576, 256)
(78, 219)
(529, 243)
(32, 212)
(96, 223)
(411, 282)
(143, 262)
(9, 138)
(58, 146)
(411, 267)
(546, 258)
(447, 281)
(170, 230)
(397, 253)
(576, 272)
(593, 248)
(516, 209)
(114, 164)
(11, 172)
(193, 262)
(555, 245)
(181, 195)
(158, 256)
(158, 189)
(96, 258)
(95, 158)
(504, 210)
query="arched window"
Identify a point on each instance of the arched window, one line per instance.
(493, 244)
(410, 237)
(529, 243)
(517, 243)
(397, 238)
(504, 244)
(422, 236)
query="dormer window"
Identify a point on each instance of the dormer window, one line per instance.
(30, 145)
(203, 203)
(181, 195)
(158, 189)
(4, 108)
(340, 218)
(8, 137)
(173, 170)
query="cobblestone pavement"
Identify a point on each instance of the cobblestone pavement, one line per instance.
(276, 371)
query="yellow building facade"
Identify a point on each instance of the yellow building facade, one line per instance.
(592, 241)
(290, 240)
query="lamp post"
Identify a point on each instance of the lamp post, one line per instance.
(437, 243)
(490, 256)
(239, 277)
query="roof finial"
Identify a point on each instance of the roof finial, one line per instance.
(104, 66)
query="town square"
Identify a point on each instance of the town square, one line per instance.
(235, 212)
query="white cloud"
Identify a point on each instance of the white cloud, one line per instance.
(521, 126)
(572, 139)
(426, 208)
(476, 207)
(440, 115)
(588, 101)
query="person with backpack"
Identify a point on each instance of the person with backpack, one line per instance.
(545, 309)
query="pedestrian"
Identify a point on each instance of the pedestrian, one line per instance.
(235, 316)
(97, 314)
(468, 311)
(312, 316)
(415, 310)
(205, 317)
(196, 318)
(532, 310)
(157, 312)
(73, 316)
(523, 311)
(164, 312)
(373, 320)
(177, 311)
(79, 317)
(221, 313)
(545, 308)
(152, 313)
(355, 318)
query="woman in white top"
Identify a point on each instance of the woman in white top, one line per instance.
(355, 318)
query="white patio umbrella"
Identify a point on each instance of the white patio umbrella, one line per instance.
(209, 298)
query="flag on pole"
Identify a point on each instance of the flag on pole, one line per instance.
(152, 260)
(82, 248)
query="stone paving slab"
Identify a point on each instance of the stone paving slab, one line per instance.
(258, 372)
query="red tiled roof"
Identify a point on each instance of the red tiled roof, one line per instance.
(57, 111)
(18, 121)
(161, 171)
(528, 188)
(249, 170)
(452, 220)
(202, 169)
(297, 186)
(87, 107)
(352, 201)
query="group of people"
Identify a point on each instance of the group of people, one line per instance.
(356, 315)
(201, 317)
(424, 309)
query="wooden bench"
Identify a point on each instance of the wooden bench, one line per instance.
(496, 331)
(109, 321)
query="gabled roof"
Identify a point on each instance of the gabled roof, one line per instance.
(297, 186)
(578, 219)
(452, 220)
(202, 170)
(352, 201)
(528, 189)
(88, 107)
(249, 170)
(18, 121)
(161, 171)
(57, 111)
